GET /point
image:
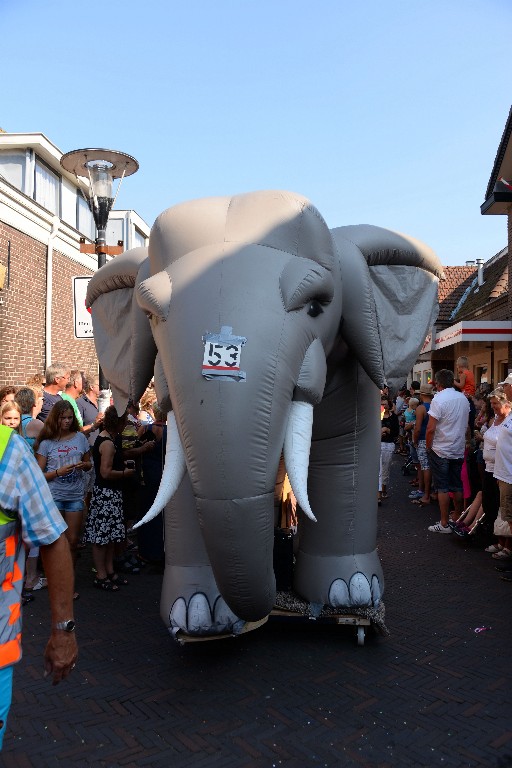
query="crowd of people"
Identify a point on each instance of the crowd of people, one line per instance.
(102, 470)
(72, 475)
(457, 440)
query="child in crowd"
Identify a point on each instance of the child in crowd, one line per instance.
(410, 418)
(464, 382)
(10, 416)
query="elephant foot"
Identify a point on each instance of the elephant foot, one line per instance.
(198, 617)
(359, 592)
(340, 582)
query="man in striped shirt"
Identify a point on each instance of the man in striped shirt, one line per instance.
(29, 518)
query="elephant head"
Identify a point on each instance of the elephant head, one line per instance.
(244, 308)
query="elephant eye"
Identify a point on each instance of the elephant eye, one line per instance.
(315, 308)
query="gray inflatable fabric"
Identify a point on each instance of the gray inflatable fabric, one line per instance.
(267, 333)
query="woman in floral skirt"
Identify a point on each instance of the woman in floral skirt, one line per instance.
(105, 523)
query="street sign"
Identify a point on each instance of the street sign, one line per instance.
(82, 316)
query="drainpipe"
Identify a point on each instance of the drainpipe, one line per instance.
(49, 291)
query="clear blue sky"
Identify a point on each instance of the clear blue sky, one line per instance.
(387, 113)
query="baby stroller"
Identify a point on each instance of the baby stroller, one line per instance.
(408, 466)
(411, 463)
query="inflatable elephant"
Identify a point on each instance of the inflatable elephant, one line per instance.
(268, 334)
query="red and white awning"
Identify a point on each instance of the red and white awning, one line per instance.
(470, 330)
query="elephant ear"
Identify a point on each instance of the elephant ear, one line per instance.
(122, 333)
(390, 298)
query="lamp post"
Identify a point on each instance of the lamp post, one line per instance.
(98, 168)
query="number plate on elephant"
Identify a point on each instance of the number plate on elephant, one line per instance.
(222, 354)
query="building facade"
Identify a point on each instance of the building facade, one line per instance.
(43, 216)
(475, 301)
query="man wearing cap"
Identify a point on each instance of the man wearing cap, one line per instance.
(446, 442)
(503, 459)
(420, 442)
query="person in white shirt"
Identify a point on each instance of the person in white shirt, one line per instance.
(446, 442)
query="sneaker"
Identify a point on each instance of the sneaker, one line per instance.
(416, 494)
(439, 528)
(493, 548)
(505, 554)
(41, 583)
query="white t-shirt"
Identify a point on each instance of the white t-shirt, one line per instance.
(503, 456)
(490, 439)
(400, 405)
(451, 409)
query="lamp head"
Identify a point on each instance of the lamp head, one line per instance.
(99, 167)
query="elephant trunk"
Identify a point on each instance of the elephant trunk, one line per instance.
(241, 532)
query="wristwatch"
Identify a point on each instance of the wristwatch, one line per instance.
(67, 626)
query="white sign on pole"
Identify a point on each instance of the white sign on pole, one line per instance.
(82, 316)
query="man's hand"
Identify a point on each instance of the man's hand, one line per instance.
(60, 655)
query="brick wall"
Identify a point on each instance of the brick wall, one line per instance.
(22, 314)
(79, 353)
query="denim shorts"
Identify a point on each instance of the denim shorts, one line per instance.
(5, 698)
(70, 506)
(446, 473)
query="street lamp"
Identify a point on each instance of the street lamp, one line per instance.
(98, 168)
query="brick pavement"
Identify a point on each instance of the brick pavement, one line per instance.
(434, 693)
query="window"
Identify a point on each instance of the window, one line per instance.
(47, 187)
(84, 218)
(11, 168)
(139, 241)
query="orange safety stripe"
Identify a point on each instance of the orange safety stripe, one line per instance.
(10, 652)
(18, 575)
(7, 582)
(10, 546)
(15, 611)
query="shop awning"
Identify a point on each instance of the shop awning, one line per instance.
(469, 330)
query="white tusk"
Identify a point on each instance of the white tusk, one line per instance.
(297, 444)
(174, 470)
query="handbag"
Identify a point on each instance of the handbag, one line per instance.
(501, 527)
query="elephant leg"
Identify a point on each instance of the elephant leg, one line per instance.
(337, 562)
(190, 599)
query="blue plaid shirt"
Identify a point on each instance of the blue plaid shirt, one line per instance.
(24, 490)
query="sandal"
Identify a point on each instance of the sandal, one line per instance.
(115, 578)
(130, 564)
(105, 584)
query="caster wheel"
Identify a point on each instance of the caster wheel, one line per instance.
(360, 635)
